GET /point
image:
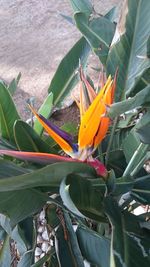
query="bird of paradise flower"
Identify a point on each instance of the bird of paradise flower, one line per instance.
(94, 124)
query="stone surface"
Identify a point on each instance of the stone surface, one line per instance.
(34, 38)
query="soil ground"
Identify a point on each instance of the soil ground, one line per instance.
(34, 38)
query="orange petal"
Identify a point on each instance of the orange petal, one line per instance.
(91, 119)
(59, 140)
(102, 131)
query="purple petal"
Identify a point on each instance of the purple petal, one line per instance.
(66, 136)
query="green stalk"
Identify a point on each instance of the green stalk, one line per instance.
(136, 158)
(111, 140)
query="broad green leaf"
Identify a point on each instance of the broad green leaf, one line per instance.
(140, 99)
(51, 215)
(82, 198)
(26, 229)
(8, 114)
(117, 162)
(129, 48)
(122, 186)
(130, 144)
(18, 205)
(45, 111)
(26, 234)
(94, 248)
(53, 261)
(27, 259)
(141, 82)
(84, 6)
(50, 176)
(2, 233)
(5, 223)
(28, 140)
(141, 190)
(143, 128)
(111, 14)
(66, 77)
(44, 259)
(68, 18)
(5, 254)
(4, 144)
(8, 169)
(67, 201)
(65, 250)
(130, 243)
(20, 244)
(98, 32)
(72, 238)
(148, 47)
(13, 85)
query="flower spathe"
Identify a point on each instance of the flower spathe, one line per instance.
(94, 125)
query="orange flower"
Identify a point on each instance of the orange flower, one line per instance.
(93, 128)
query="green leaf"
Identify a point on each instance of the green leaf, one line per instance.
(65, 251)
(148, 47)
(44, 259)
(18, 205)
(5, 255)
(24, 235)
(5, 223)
(8, 169)
(98, 32)
(51, 215)
(8, 114)
(66, 77)
(129, 48)
(141, 190)
(130, 243)
(72, 238)
(5, 144)
(20, 244)
(130, 144)
(45, 111)
(140, 99)
(2, 233)
(123, 185)
(141, 81)
(111, 14)
(27, 259)
(95, 248)
(117, 162)
(68, 18)
(143, 128)
(26, 230)
(28, 140)
(84, 6)
(50, 176)
(82, 198)
(13, 85)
